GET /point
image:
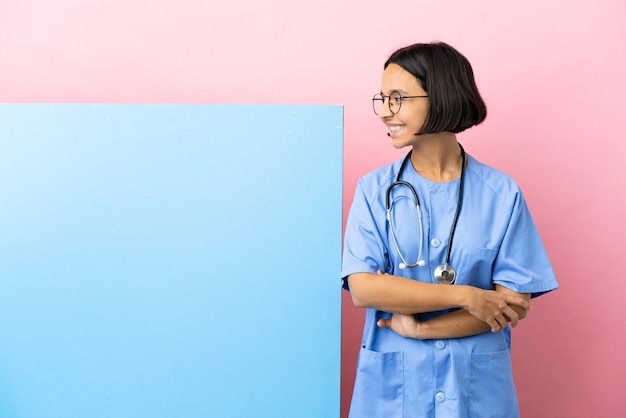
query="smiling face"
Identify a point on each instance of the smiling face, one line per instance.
(413, 112)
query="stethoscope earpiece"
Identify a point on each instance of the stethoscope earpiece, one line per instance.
(419, 263)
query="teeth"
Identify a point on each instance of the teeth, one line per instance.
(395, 128)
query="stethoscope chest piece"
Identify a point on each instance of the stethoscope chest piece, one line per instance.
(445, 274)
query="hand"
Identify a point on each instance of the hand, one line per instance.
(522, 312)
(494, 307)
(404, 325)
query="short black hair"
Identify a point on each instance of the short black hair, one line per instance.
(447, 77)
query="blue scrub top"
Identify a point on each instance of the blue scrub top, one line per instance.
(496, 241)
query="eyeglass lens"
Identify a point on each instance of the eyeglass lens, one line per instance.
(395, 101)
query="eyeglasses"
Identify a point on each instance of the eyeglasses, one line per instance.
(395, 101)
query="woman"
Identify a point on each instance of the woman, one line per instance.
(442, 279)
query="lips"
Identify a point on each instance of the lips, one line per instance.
(395, 130)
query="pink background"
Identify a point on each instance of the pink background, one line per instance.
(552, 74)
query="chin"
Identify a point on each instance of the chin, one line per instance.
(400, 143)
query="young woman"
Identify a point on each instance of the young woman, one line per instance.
(441, 250)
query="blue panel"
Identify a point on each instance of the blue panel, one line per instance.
(169, 260)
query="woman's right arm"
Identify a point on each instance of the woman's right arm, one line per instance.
(397, 294)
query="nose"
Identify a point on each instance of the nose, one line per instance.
(385, 111)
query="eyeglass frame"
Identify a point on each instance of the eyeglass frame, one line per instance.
(379, 96)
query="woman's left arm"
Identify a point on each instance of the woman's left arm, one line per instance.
(455, 324)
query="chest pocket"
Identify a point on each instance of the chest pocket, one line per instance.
(476, 266)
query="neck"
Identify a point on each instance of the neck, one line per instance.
(438, 157)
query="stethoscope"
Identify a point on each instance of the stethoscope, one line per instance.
(444, 273)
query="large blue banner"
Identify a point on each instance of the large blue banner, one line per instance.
(170, 260)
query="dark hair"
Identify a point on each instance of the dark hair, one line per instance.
(447, 77)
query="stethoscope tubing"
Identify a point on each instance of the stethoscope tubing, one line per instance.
(444, 273)
(406, 264)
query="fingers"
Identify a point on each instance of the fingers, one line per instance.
(500, 320)
(498, 323)
(384, 323)
(516, 310)
(512, 316)
(517, 301)
(495, 326)
(516, 307)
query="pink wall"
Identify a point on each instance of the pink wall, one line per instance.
(552, 74)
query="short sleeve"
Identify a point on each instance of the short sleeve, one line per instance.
(364, 251)
(522, 263)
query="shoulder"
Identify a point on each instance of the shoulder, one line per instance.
(492, 179)
(375, 183)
